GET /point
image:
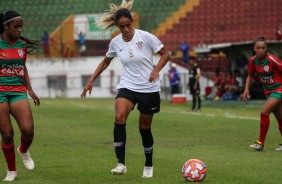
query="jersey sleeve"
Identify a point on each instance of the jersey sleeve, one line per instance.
(251, 67)
(154, 43)
(276, 61)
(111, 53)
(198, 72)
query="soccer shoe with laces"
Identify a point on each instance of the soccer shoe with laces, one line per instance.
(27, 160)
(120, 169)
(11, 176)
(257, 145)
(148, 172)
(279, 148)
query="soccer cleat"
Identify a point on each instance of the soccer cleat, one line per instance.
(120, 169)
(11, 176)
(27, 160)
(257, 145)
(279, 148)
(148, 172)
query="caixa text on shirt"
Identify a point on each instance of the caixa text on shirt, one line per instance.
(267, 79)
(12, 70)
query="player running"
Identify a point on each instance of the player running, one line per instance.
(139, 83)
(268, 69)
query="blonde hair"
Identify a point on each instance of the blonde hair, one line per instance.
(108, 19)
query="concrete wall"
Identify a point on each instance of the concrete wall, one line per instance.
(74, 69)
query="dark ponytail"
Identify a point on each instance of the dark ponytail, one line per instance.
(31, 45)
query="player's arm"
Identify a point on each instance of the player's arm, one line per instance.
(162, 62)
(251, 71)
(247, 86)
(197, 77)
(30, 91)
(101, 67)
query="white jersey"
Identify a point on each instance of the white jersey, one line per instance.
(136, 57)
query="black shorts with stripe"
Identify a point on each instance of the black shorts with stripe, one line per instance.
(148, 103)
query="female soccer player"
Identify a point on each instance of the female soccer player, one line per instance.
(14, 82)
(139, 83)
(268, 69)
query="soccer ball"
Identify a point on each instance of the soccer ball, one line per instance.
(194, 170)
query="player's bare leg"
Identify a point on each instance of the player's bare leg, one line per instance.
(7, 143)
(22, 113)
(122, 108)
(278, 115)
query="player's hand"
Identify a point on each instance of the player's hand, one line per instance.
(87, 87)
(246, 95)
(35, 98)
(154, 76)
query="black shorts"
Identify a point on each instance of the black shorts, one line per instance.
(194, 91)
(148, 103)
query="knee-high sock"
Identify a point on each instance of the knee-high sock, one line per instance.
(25, 144)
(264, 125)
(10, 156)
(148, 142)
(119, 142)
(194, 102)
(280, 126)
(199, 102)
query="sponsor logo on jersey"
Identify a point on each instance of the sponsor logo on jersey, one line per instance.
(12, 70)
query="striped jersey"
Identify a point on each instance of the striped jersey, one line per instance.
(12, 61)
(268, 71)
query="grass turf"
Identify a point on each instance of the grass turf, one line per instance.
(74, 144)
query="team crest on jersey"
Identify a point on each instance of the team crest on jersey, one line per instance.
(21, 52)
(140, 45)
(266, 68)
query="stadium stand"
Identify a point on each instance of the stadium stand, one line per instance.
(43, 15)
(173, 21)
(208, 21)
(220, 21)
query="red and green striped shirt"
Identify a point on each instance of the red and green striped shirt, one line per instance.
(268, 71)
(12, 61)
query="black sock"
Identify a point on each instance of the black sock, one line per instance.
(199, 102)
(194, 102)
(119, 142)
(148, 141)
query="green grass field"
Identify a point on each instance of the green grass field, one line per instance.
(74, 144)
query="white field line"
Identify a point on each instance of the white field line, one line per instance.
(225, 115)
